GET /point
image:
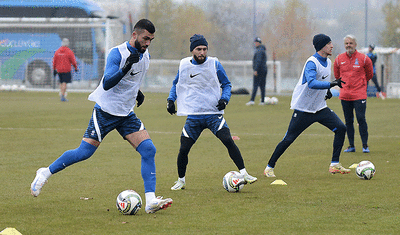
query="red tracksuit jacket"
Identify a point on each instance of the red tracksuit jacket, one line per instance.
(355, 70)
(63, 59)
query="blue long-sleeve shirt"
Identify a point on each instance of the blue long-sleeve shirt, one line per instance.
(112, 73)
(222, 77)
(373, 57)
(310, 74)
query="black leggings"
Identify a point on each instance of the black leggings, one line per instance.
(301, 121)
(224, 135)
(259, 81)
(375, 81)
(359, 106)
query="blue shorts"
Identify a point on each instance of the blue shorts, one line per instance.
(195, 124)
(103, 123)
(65, 77)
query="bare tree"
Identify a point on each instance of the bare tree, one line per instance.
(289, 33)
(161, 13)
(189, 20)
(390, 36)
(231, 37)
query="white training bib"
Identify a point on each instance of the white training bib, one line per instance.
(198, 88)
(120, 100)
(311, 100)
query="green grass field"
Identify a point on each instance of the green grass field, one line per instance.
(36, 128)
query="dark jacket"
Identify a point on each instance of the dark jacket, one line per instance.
(260, 59)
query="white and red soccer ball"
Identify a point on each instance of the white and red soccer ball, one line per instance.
(129, 202)
(365, 170)
(233, 182)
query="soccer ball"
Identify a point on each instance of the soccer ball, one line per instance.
(14, 87)
(365, 170)
(274, 100)
(233, 182)
(129, 202)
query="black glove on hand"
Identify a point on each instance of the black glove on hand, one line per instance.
(133, 58)
(171, 107)
(221, 104)
(139, 98)
(328, 94)
(337, 82)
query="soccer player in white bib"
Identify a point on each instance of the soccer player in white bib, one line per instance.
(115, 98)
(197, 91)
(309, 105)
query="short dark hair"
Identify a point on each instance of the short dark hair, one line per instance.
(144, 24)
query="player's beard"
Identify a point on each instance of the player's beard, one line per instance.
(198, 60)
(139, 47)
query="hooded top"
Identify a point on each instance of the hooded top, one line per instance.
(63, 59)
(260, 59)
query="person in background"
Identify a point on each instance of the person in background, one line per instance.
(356, 70)
(63, 60)
(197, 90)
(259, 71)
(115, 98)
(372, 55)
(309, 105)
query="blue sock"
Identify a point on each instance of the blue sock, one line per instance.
(147, 151)
(70, 157)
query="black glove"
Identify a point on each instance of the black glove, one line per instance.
(171, 107)
(132, 58)
(337, 82)
(328, 94)
(55, 73)
(139, 98)
(221, 104)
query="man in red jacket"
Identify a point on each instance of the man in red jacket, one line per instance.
(356, 70)
(62, 61)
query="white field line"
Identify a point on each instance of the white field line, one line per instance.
(177, 133)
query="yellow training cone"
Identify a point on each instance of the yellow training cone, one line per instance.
(279, 182)
(10, 231)
(353, 166)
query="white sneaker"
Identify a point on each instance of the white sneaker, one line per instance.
(178, 185)
(38, 182)
(382, 95)
(250, 103)
(262, 103)
(249, 179)
(157, 204)
(269, 172)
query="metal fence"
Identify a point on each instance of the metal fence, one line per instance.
(387, 70)
(17, 70)
(240, 73)
(27, 47)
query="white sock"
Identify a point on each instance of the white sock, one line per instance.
(334, 163)
(149, 197)
(47, 173)
(268, 167)
(182, 179)
(243, 171)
